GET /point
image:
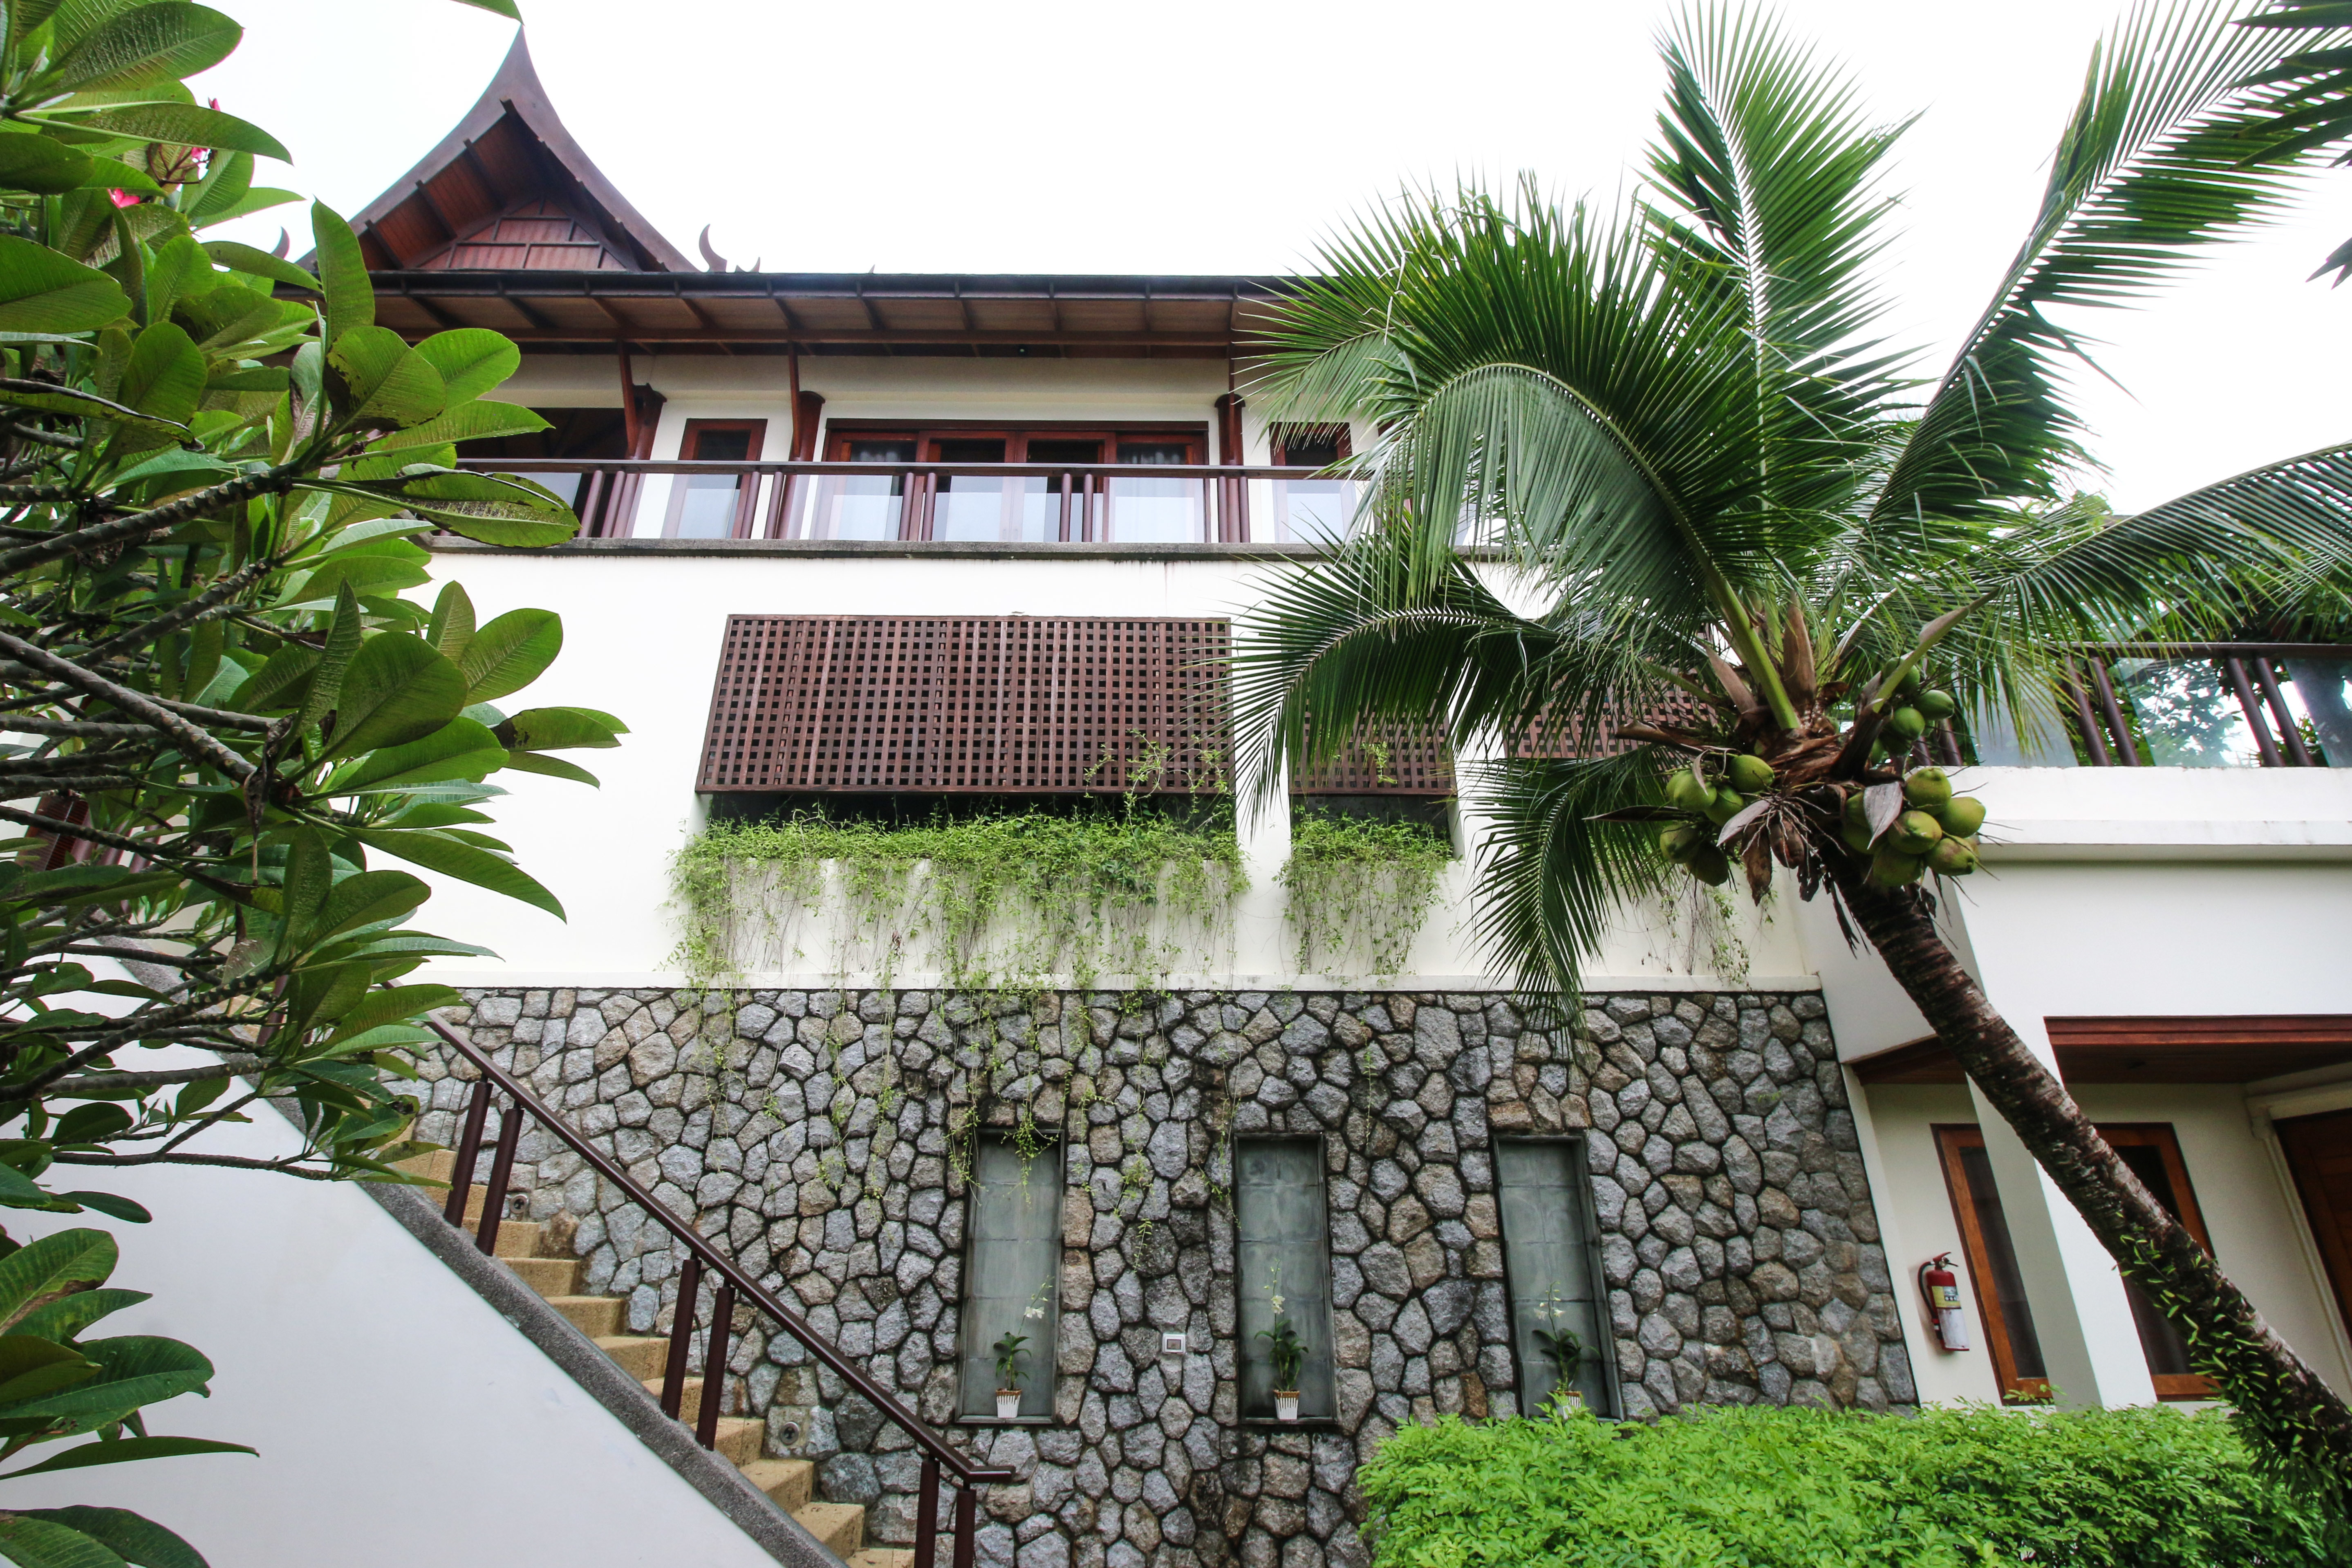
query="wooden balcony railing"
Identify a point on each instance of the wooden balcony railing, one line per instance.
(1037, 503)
(731, 1282)
(2208, 705)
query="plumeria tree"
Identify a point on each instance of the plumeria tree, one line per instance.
(231, 738)
(1723, 535)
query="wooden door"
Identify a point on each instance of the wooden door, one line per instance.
(2319, 1154)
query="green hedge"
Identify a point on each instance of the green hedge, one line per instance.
(1764, 1487)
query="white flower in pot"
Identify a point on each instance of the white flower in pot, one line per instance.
(1287, 1352)
(1008, 1374)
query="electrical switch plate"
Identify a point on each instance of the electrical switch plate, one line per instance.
(1172, 1344)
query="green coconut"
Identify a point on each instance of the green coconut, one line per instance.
(1915, 832)
(1710, 866)
(1856, 836)
(1728, 804)
(1927, 788)
(1750, 776)
(1684, 793)
(1856, 814)
(1676, 840)
(1962, 815)
(1907, 723)
(1937, 704)
(1890, 867)
(1908, 687)
(1953, 858)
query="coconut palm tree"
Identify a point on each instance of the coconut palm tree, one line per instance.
(2310, 91)
(1650, 477)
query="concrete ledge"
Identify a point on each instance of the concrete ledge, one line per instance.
(777, 1532)
(1408, 984)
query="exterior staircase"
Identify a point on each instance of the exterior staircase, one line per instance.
(524, 1246)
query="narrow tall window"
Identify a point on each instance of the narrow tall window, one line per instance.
(2154, 1155)
(1015, 1226)
(1311, 510)
(2000, 1284)
(716, 506)
(1283, 1271)
(1559, 1330)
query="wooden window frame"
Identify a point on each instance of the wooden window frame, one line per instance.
(1278, 440)
(1950, 1138)
(747, 491)
(2158, 1135)
(917, 510)
(2161, 1137)
(2319, 1212)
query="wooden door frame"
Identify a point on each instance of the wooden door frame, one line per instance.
(2335, 1255)
(1950, 1138)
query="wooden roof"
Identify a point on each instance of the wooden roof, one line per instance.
(2218, 1049)
(507, 224)
(509, 189)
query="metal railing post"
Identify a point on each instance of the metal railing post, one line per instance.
(469, 1148)
(967, 1513)
(2113, 711)
(714, 1363)
(2235, 668)
(2298, 755)
(494, 1197)
(926, 1516)
(681, 1332)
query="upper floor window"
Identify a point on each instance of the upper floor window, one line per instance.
(715, 506)
(1069, 506)
(1311, 510)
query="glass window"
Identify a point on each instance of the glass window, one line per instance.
(1157, 511)
(1559, 1321)
(2153, 1153)
(715, 506)
(1283, 1271)
(852, 507)
(1010, 1260)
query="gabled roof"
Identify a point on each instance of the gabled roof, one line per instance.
(509, 190)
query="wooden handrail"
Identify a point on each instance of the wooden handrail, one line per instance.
(964, 1472)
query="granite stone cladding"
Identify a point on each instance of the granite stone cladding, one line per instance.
(824, 1134)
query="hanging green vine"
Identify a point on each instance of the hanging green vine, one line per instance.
(1355, 884)
(1004, 903)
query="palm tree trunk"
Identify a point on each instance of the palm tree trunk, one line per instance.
(2281, 1399)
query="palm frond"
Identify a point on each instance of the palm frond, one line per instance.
(2148, 170)
(1551, 879)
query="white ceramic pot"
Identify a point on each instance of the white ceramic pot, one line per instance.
(1285, 1406)
(1571, 1402)
(1008, 1406)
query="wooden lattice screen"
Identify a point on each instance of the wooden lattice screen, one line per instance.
(1409, 760)
(1009, 704)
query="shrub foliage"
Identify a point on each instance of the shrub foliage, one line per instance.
(1771, 1487)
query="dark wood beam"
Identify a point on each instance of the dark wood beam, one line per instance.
(644, 333)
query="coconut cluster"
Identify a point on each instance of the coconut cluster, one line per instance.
(1692, 844)
(1915, 710)
(1938, 832)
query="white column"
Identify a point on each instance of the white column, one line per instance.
(2090, 1343)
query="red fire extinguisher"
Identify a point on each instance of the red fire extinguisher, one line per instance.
(1942, 1288)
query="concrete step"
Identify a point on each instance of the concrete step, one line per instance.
(788, 1483)
(550, 1277)
(690, 1404)
(883, 1557)
(642, 1356)
(437, 1166)
(739, 1438)
(840, 1526)
(595, 1316)
(520, 1238)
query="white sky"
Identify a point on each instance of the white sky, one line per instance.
(1053, 135)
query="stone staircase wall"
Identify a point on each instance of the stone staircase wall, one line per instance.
(815, 1133)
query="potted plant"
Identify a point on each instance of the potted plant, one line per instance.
(1567, 1352)
(1286, 1352)
(1008, 1374)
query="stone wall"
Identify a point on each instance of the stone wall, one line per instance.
(823, 1133)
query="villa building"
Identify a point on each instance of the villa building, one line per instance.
(877, 543)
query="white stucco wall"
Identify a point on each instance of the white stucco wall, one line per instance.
(398, 1415)
(643, 635)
